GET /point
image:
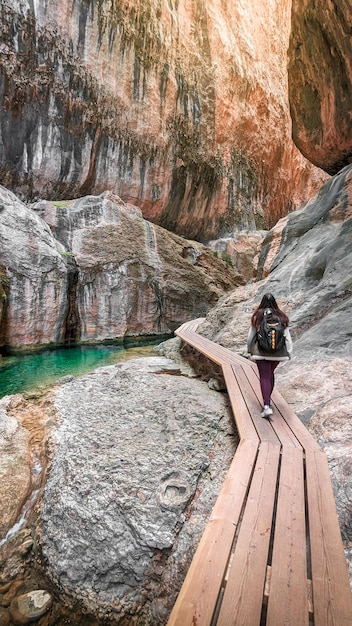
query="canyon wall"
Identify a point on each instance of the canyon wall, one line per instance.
(178, 107)
(94, 269)
(320, 81)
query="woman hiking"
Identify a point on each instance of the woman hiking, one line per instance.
(268, 321)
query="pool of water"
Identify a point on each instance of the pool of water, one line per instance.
(35, 372)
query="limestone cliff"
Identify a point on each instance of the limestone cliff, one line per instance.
(94, 269)
(320, 81)
(178, 107)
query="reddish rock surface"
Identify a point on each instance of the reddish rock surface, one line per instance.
(180, 108)
(320, 81)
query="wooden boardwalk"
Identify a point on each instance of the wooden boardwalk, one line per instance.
(271, 553)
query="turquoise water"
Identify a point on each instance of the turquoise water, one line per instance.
(35, 372)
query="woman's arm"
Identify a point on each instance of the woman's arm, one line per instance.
(251, 334)
(289, 344)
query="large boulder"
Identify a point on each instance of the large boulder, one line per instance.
(133, 277)
(36, 277)
(140, 457)
(15, 465)
(305, 261)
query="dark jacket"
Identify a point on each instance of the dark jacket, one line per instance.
(259, 355)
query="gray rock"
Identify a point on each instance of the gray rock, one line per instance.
(64, 379)
(99, 272)
(14, 464)
(306, 263)
(140, 457)
(216, 385)
(37, 276)
(242, 249)
(30, 606)
(331, 425)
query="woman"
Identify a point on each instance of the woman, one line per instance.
(268, 362)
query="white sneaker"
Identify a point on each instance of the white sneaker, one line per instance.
(267, 410)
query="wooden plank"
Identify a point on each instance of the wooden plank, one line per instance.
(285, 434)
(288, 600)
(279, 425)
(290, 429)
(309, 592)
(209, 348)
(242, 417)
(212, 351)
(332, 598)
(190, 326)
(198, 595)
(262, 426)
(294, 423)
(243, 595)
(206, 346)
(287, 603)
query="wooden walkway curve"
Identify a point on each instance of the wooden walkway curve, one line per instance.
(271, 553)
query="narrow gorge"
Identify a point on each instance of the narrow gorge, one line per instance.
(160, 161)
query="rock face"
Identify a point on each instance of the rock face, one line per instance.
(320, 81)
(242, 250)
(311, 269)
(332, 428)
(181, 109)
(306, 263)
(140, 457)
(37, 277)
(3, 287)
(99, 272)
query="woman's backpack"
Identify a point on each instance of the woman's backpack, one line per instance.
(270, 335)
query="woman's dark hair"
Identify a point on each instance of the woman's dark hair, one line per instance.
(267, 302)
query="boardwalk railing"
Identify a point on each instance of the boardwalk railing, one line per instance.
(271, 553)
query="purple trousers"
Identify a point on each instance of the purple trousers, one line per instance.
(267, 378)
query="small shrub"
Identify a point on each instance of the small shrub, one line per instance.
(62, 204)
(226, 257)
